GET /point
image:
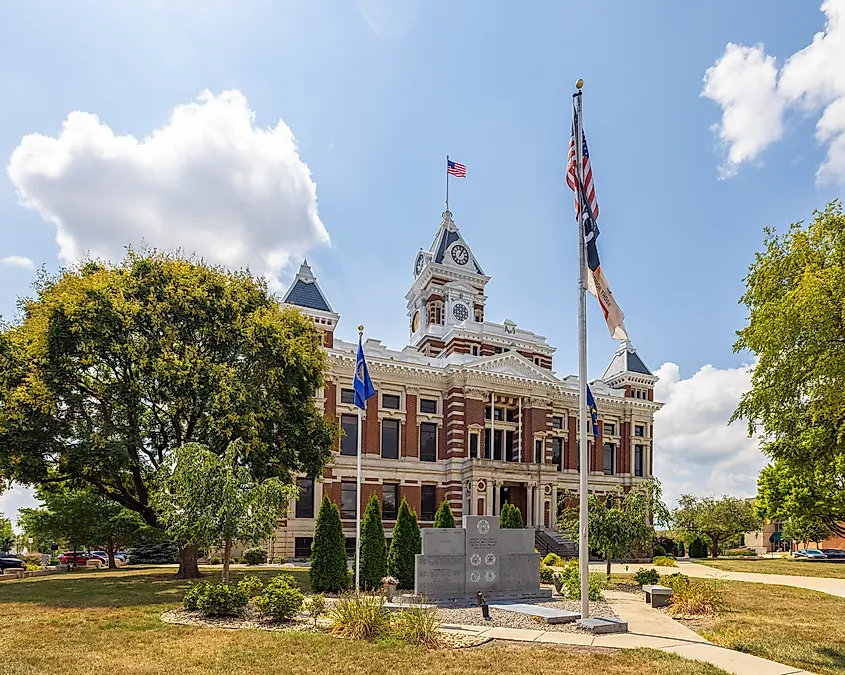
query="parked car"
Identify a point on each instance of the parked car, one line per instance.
(102, 555)
(119, 557)
(810, 554)
(68, 557)
(10, 562)
(834, 553)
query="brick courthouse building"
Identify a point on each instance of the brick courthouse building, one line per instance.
(470, 410)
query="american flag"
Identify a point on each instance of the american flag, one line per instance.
(458, 170)
(571, 179)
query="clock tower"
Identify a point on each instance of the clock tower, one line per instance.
(448, 289)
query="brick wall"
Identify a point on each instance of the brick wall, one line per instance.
(623, 456)
(572, 448)
(413, 495)
(474, 414)
(455, 425)
(330, 406)
(371, 438)
(411, 444)
(328, 340)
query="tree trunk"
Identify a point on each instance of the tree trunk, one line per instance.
(714, 552)
(608, 568)
(188, 568)
(110, 552)
(227, 553)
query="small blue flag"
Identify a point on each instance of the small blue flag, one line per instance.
(591, 407)
(363, 384)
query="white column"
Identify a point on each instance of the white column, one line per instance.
(529, 511)
(553, 511)
(488, 501)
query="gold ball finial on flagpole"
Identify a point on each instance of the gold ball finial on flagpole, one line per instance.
(579, 83)
(361, 328)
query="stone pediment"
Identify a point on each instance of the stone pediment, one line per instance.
(512, 364)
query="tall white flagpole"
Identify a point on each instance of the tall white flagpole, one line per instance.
(583, 533)
(447, 183)
(358, 496)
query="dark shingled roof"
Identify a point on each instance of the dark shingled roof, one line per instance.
(448, 237)
(626, 360)
(307, 295)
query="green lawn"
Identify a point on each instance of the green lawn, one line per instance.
(800, 568)
(109, 622)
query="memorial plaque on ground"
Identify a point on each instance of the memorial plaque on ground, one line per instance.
(458, 562)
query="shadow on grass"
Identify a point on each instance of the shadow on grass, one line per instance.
(128, 587)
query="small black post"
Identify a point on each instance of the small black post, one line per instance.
(485, 612)
(479, 599)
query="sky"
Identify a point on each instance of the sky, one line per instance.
(256, 133)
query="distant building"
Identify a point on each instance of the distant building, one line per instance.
(469, 411)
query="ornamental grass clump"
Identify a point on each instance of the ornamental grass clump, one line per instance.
(699, 597)
(418, 626)
(360, 616)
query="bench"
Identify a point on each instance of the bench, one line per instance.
(94, 563)
(657, 596)
(18, 572)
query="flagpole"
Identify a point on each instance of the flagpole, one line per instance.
(583, 528)
(447, 183)
(358, 495)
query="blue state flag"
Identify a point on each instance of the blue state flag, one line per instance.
(591, 407)
(363, 384)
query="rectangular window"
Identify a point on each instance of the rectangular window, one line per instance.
(438, 315)
(609, 429)
(557, 452)
(428, 502)
(557, 422)
(498, 350)
(390, 439)
(302, 547)
(538, 452)
(428, 405)
(509, 414)
(609, 458)
(500, 412)
(348, 494)
(347, 396)
(475, 350)
(638, 460)
(639, 430)
(350, 546)
(305, 503)
(428, 442)
(390, 401)
(389, 501)
(510, 455)
(495, 447)
(349, 441)
(473, 445)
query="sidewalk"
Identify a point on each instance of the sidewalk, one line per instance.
(830, 586)
(647, 627)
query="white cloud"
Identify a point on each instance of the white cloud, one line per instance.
(14, 498)
(743, 83)
(754, 96)
(209, 182)
(695, 451)
(18, 261)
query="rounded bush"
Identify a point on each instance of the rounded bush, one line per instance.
(546, 575)
(664, 561)
(282, 600)
(553, 560)
(658, 551)
(191, 597)
(646, 576)
(221, 600)
(255, 556)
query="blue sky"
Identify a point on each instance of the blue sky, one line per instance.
(376, 92)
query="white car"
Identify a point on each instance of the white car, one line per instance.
(809, 554)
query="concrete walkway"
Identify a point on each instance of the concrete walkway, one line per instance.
(647, 627)
(830, 586)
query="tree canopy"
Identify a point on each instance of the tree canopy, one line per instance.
(112, 366)
(7, 534)
(620, 523)
(210, 501)
(716, 520)
(79, 519)
(795, 296)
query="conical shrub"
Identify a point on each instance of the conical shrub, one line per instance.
(406, 543)
(444, 516)
(510, 517)
(373, 546)
(329, 572)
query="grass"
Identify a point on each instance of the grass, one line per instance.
(798, 568)
(109, 621)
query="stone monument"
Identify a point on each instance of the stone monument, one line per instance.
(456, 563)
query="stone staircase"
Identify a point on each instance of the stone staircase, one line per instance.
(551, 541)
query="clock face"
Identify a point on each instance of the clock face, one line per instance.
(460, 312)
(419, 264)
(415, 322)
(460, 255)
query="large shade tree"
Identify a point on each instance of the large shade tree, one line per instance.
(7, 534)
(796, 330)
(715, 520)
(113, 366)
(79, 519)
(620, 523)
(211, 501)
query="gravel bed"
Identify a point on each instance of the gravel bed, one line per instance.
(502, 619)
